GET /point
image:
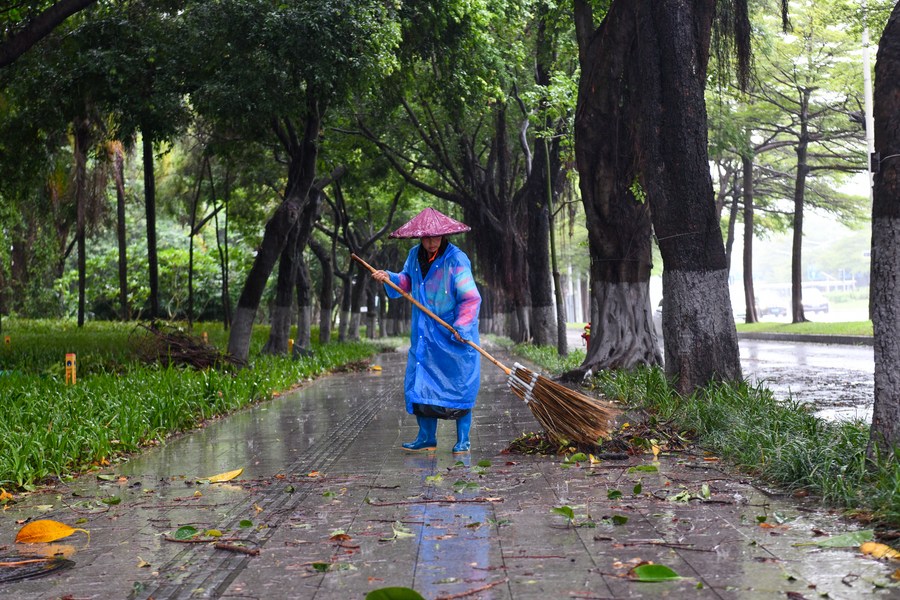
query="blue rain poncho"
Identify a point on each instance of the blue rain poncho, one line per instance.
(440, 370)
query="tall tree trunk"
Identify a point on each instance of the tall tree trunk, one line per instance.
(622, 331)
(285, 290)
(301, 173)
(534, 194)
(344, 323)
(371, 314)
(119, 174)
(193, 231)
(222, 246)
(289, 280)
(698, 325)
(732, 222)
(747, 187)
(82, 141)
(150, 206)
(885, 430)
(303, 341)
(797, 314)
(326, 292)
(357, 293)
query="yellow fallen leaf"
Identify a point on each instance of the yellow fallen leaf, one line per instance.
(375, 367)
(226, 476)
(896, 575)
(197, 494)
(879, 550)
(655, 450)
(4, 495)
(142, 564)
(45, 530)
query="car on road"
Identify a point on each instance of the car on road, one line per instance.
(770, 304)
(814, 301)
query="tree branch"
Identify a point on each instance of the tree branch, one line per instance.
(39, 27)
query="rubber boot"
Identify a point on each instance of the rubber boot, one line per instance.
(427, 438)
(463, 425)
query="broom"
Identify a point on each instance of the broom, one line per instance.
(566, 415)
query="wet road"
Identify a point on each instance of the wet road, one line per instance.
(332, 508)
(836, 378)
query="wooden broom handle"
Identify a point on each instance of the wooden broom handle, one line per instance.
(428, 312)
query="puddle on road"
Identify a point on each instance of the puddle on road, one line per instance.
(834, 393)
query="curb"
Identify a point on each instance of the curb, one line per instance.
(850, 340)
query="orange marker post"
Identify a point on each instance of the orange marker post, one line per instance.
(70, 369)
(290, 346)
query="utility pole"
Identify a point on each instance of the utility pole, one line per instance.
(867, 94)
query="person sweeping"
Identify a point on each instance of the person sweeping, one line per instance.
(443, 372)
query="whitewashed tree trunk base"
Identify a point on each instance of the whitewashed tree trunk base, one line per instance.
(543, 325)
(698, 328)
(622, 332)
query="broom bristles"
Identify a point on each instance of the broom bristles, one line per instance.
(565, 414)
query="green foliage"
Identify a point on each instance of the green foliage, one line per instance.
(548, 358)
(119, 405)
(252, 61)
(394, 593)
(778, 440)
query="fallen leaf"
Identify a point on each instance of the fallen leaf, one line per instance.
(877, 550)
(375, 367)
(186, 532)
(45, 530)
(5, 496)
(649, 572)
(226, 476)
(142, 563)
(313, 474)
(846, 540)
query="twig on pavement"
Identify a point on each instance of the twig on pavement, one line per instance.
(238, 549)
(473, 591)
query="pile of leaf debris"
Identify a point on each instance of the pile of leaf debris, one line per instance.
(158, 343)
(629, 439)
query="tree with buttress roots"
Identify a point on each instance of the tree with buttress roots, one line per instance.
(641, 150)
(885, 430)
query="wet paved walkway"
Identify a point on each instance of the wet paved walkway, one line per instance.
(336, 509)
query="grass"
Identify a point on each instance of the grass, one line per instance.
(545, 356)
(50, 429)
(863, 328)
(778, 441)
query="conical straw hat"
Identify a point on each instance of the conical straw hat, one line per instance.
(430, 223)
